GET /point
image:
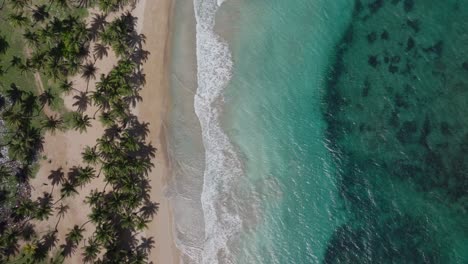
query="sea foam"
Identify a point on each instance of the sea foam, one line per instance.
(222, 164)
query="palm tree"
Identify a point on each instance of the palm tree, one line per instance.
(75, 235)
(9, 245)
(25, 209)
(52, 123)
(44, 209)
(90, 155)
(94, 198)
(100, 100)
(66, 86)
(91, 251)
(106, 119)
(13, 117)
(129, 142)
(140, 223)
(97, 215)
(85, 175)
(30, 248)
(80, 122)
(68, 189)
(25, 144)
(105, 234)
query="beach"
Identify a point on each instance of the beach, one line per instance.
(154, 109)
(62, 150)
(302, 131)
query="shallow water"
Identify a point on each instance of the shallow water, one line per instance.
(334, 132)
(273, 115)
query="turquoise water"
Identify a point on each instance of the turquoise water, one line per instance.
(349, 118)
(274, 117)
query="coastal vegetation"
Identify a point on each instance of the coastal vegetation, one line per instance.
(52, 42)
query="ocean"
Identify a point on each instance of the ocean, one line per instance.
(314, 131)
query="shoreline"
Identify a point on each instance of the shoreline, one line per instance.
(157, 27)
(186, 149)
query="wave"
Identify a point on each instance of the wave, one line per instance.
(222, 164)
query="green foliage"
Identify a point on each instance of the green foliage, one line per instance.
(60, 47)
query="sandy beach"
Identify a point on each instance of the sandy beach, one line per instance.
(63, 150)
(154, 109)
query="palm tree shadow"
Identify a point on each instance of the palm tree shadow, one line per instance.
(56, 177)
(138, 129)
(82, 102)
(149, 209)
(146, 244)
(45, 200)
(100, 51)
(112, 132)
(140, 55)
(48, 241)
(68, 248)
(22, 174)
(72, 174)
(97, 25)
(28, 232)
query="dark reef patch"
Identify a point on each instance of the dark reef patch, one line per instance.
(396, 114)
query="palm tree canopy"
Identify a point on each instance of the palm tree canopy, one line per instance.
(68, 189)
(75, 235)
(85, 175)
(90, 155)
(66, 86)
(91, 251)
(80, 122)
